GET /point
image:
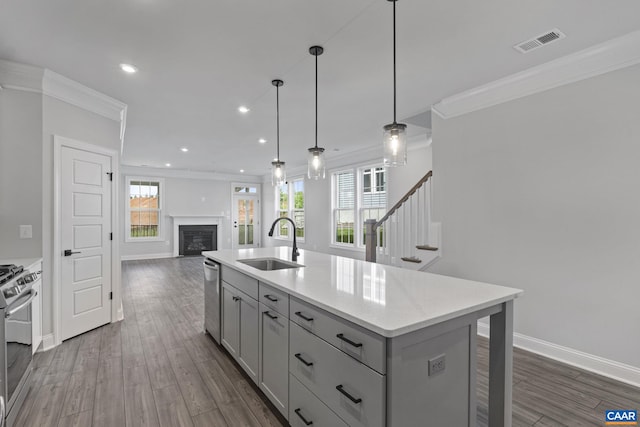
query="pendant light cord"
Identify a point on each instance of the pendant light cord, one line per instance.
(394, 61)
(316, 101)
(278, 123)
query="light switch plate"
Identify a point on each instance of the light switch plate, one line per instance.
(26, 232)
(437, 364)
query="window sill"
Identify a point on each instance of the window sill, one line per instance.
(143, 239)
(346, 248)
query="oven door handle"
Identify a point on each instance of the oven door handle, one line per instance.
(13, 311)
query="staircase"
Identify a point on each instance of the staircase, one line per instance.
(405, 236)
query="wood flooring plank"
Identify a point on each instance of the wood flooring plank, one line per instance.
(548, 422)
(172, 410)
(211, 419)
(140, 407)
(81, 392)
(238, 414)
(257, 405)
(82, 419)
(65, 356)
(108, 408)
(220, 386)
(111, 342)
(195, 392)
(45, 410)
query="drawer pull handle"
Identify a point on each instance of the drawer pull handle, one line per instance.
(300, 358)
(351, 398)
(271, 298)
(308, 319)
(304, 420)
(271, 316)
(348, 341)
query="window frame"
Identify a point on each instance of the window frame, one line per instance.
(358, 228)
(127, 221)
(290, 209)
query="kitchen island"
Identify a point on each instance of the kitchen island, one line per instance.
(336, 341)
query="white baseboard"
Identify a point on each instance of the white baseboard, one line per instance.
(589, 362)
(120, 315)
(48, 342)
(146, 256)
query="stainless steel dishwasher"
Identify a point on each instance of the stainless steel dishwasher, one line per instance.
(212, 298)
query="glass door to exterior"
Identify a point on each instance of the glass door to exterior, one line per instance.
(246, 216)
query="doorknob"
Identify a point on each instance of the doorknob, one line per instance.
(69, 252)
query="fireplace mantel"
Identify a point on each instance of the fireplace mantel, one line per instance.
(179, 220)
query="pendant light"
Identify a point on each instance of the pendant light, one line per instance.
(316, 163)
(278, 173)
(395, 134)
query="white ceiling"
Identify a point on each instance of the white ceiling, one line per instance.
(200, 60)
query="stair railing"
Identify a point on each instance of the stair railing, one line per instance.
(398, 231)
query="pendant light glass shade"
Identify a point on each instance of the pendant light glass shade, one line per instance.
(395, 144)
(395, 134)
(316, 163)
(278, 173)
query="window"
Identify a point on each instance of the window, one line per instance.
(358, 195)
(144, 209)
(290, 203)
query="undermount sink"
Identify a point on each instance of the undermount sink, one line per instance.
(269, 264)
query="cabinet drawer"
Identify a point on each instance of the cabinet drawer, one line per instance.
(241, 281)
(352, 390)
(306, 409)
(352, 339)
(274, 299)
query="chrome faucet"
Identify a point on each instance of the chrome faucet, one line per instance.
(295, 253)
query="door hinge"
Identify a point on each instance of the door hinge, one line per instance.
(110, 295)
(110, 236)
(110, 176)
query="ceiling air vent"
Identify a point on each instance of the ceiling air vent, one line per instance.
(541, 40)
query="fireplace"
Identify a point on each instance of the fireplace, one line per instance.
(193, 239)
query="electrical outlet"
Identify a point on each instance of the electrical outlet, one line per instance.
(437, 364)
(26, 232)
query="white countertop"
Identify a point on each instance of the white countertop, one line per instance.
(25, 262)
(389, 301)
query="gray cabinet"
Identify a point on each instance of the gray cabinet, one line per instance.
(240, 328)
(306, 409)
(274, 357)
(249, 318)
(230, 320)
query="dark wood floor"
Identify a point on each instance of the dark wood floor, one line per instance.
(157, 368)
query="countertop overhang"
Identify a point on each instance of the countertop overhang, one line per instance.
(387, 300)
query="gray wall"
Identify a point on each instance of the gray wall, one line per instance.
(541, 193)
(63, 119)
(183, 196)
(20, 172)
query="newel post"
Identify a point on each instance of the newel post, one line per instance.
(370, 240)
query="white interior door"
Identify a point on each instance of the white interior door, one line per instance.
(246, 216)
(85, 215)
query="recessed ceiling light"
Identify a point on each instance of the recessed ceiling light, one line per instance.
(128, 68)
(184, 149)
(168, 165)
(262, 140)
(241, 170)
(243, 109)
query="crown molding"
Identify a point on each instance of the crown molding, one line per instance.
(40, 80)
(20, 76)
(186, 174)
(605, 57)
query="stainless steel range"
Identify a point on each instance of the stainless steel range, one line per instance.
(16, 338)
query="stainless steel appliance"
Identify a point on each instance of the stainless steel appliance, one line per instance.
(16, 295)
(212, 298)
